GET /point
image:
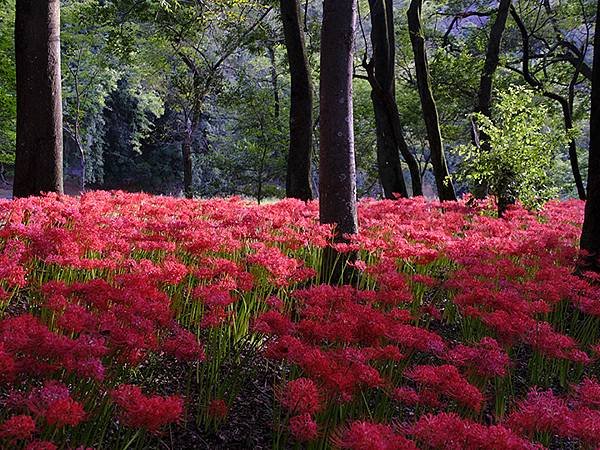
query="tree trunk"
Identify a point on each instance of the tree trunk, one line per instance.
(484, 95)
(186, 153)
(568, 121)
(274, 82)
(301, 113)
(492, 58)
(590, 236)
(337, 171)
(39, 152)
(381, 76)
(430, 114)
(565, 104)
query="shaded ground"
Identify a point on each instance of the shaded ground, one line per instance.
(70, 189)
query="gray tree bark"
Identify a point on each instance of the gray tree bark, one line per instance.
(337, 171)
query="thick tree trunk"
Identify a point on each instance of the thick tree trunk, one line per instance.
(301, 114)
(337, 171)
(590, 236)
(337, 180)
(430, 113)
(390, 139)
(39, 152)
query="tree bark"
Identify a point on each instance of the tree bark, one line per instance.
(484, 94)
(381, 77)
(492, 59)
(301, 112)
(39, 151)
(430, 114)
(337, 180)
(337, 171)
(590, 236)
(186, 153)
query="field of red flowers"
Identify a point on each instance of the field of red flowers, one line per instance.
(129, 321)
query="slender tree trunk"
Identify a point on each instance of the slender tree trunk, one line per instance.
(492, 59)
(383, 43)
(568, 121)
(337, 171)
(590, 236)
(39, 152)
(274, 82)
(381, 76)
(484, 94)
(430, 113)
(186, 153)
(565, 104)
(301, 113)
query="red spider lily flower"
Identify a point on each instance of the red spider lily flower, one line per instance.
(300, 396)
(41, 445)
(303, 428)
(149, 412)
(7, 366)
(447, 431)
(17, 427)
(586, 426)
(54, 403)
(446, 380)
(273, 323)
(361, 435)
(542, 412)
(406, 396)
(184, 346)
(553, 344)
(486, 358)
(587, 393)
(218, 409)
(64, 411)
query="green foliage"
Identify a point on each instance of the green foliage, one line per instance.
(8, 102)
(522, 150)
(249, 150)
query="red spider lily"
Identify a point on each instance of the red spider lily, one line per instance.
(587, 393)
(371, 436)
(184, 346)
(41, 445)
(303, 428)
(300, 396)
(447, 431)
(149, 412)
(64, 411)
(541, 411)
(218, 409)
(486, 358)
(447, 381)
(17, 427)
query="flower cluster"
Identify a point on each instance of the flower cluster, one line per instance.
(149, 412)
(103, 294)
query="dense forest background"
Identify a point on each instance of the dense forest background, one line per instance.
(141, 79)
